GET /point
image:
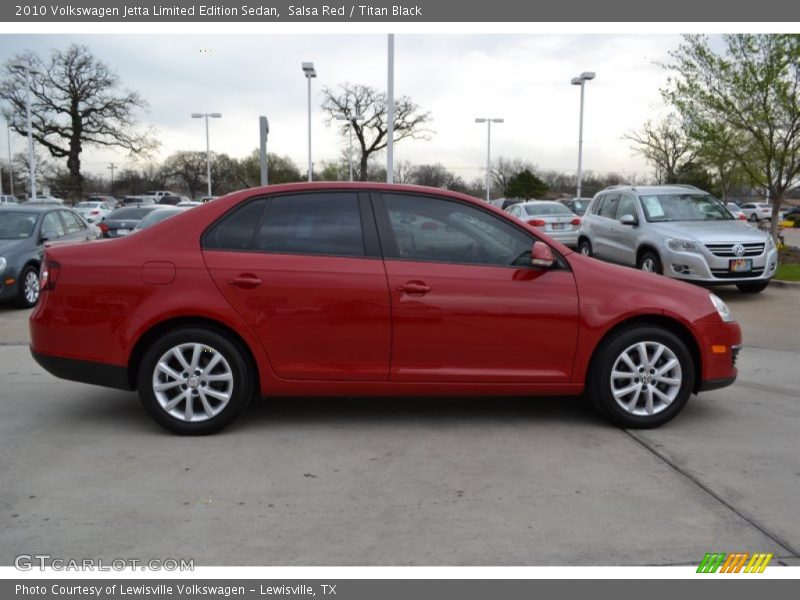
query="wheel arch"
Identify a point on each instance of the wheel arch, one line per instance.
(164, 327)
(646, 247)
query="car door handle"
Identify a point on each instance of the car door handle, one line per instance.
(414, 288)
(245, 281)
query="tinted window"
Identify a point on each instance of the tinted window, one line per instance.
(609, 206)
(52, 227)
(73, 223)
(16, 225)
(128, 213)
(236, 229)
(598, 205)
(626, 206)
(435, 229)
(327, 223)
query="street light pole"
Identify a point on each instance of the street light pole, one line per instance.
(390, 111)
(29, 119)
(350, 122)
(489, 121)
(310, 73)
(208, 147)
(10, 164)
(581, 81)
(111, 167)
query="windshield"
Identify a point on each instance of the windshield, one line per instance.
(683, 207)
(547, 209)
(17, 225)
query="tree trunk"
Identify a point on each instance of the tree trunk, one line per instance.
(362, 175)
(777, 200)
(75, 177)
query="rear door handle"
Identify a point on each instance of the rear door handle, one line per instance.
(414, 288)
(245, 281)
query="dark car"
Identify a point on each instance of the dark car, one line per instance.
(577, 205)
(374, 290)
(136, 201)
(170, 199)
(23, 231)
(124, 220)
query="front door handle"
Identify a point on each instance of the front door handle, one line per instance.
(245, 281)
(414, 288)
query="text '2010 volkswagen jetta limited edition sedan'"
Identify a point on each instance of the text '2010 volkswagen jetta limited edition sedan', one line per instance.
(370, 290)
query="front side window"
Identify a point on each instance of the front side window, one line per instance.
(434, 229)
(73, 223)
(598, 205)
(609, 208)
(626, 206)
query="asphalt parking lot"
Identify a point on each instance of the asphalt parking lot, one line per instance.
(85, 473)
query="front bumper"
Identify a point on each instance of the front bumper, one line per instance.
(719, 344)
(709, 268)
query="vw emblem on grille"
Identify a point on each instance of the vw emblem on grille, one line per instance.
(738, 249)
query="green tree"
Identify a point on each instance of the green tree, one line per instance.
(76, 103)
(743, 102)
(525, 185)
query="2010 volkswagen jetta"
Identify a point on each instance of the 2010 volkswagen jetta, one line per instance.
(369, 290)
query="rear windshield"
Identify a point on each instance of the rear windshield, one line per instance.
(547, 209)
(683, 207)
(17, 225)
(129, 213)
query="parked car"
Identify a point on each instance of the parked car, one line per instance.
(124, 220)
(109, 201)
(504, 203)
(682, 233)
(477, 304)
(734, 209)
(552, 218)
(792, 211)
(45, 200)
(205, 199)
(188, 204)
(8, 199)
(158, 194)
(577, 205)
(156, 216)
(756, 211)
(94, 211)
(170, 199)
(137, 201)
(24, 229)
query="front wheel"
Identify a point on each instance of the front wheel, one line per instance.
(650, 262)
(585, 247)
(28, 288)
(194, 381)
(753, 218)
(642, 377)
(752, 288)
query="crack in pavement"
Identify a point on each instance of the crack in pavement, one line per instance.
(795, 552)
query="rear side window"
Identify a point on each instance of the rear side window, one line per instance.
(597, 206)
(73, 223)
(326, 223)
(236, 229)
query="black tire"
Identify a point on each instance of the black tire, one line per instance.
(752, 288)
(235, 365)
(655, 259)
(598, 384)
(753, 218)
(22, 300)
(585, 247)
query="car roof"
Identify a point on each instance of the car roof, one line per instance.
(656, 189)
(31, 207)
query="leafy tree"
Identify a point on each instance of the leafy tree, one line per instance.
(525, 185)
(372, 132)
(76, 103)
(663, 144)
(744, 102)
(504, 169)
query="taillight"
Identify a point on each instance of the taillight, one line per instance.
(103, 227)
(95, 212)
(742, 217)
(536, 222)
(49, 276)
(576, 221)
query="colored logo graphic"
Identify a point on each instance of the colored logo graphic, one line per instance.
(737, 562)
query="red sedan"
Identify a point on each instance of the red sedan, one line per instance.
(369, 290)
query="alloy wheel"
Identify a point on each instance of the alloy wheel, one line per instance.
(646, 378)
(31, 287)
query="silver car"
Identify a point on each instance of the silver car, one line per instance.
(678, 231)
(551, 218)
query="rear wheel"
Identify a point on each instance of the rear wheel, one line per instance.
(28, 287)
(642, 377)
(752, 288)
(194, 381)
(650, 262)
(585, 247)
(753, 217)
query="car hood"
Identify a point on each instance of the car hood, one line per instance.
(709, 232)
(11, 247)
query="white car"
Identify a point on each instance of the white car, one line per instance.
(552, 218)
(756, 211)
(8, 199)
(734, 209)
(93, 210)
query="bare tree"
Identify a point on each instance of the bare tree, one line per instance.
(504, 169)
(76, 102)
(371, 133)
(187, 168)
(665, 145)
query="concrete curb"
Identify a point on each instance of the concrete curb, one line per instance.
(785, 284)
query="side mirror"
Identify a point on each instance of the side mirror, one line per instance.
(43, 239)
(542, 256)
(628, 220)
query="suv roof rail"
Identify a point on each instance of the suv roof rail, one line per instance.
(688, 186)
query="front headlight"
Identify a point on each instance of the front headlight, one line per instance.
(722, 309)
(770, 243)
(683, 245)
(3, 263)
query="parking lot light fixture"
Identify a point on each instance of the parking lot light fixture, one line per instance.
(488, 121)
(206, 116)
(31, 155)
(581, 81)
(350, 122)
(310, 73)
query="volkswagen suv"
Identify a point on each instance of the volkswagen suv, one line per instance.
(678, 231)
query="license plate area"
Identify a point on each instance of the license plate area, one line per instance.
(558, 226)
(123, 231)
(740, 265)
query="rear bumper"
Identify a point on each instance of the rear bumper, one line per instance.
(84, 371)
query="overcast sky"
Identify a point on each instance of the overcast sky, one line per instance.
(523, 78)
